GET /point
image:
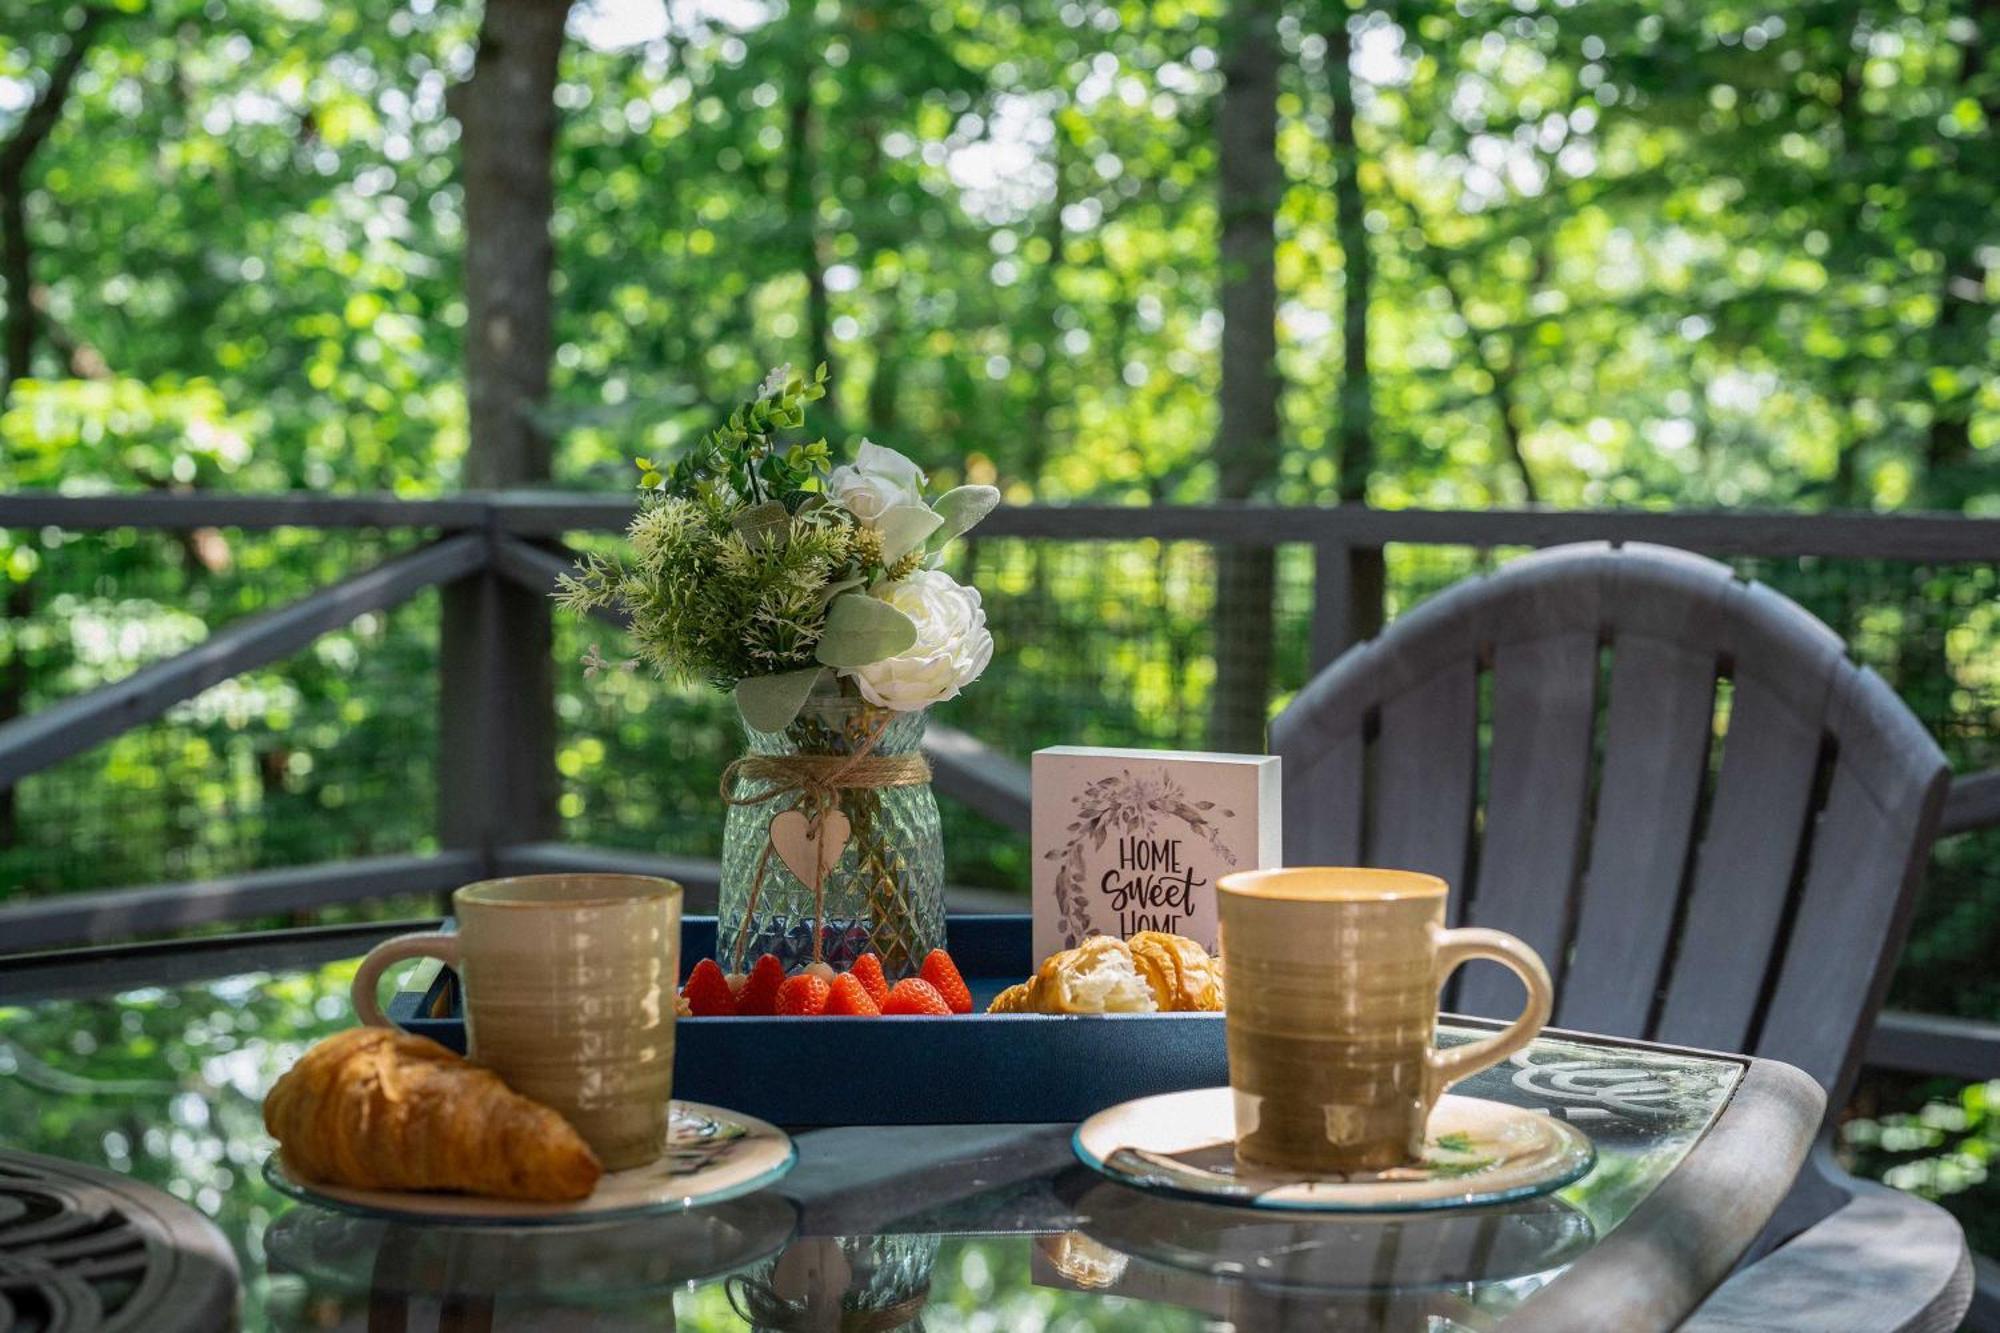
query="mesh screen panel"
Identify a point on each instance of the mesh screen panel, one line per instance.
(329, 754)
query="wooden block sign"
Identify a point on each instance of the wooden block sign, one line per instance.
(1132, 840)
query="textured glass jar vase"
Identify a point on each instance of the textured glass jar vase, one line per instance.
(868, 1284)
(883, 894)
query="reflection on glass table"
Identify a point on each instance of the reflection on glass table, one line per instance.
(991, 1227)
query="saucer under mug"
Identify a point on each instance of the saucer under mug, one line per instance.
(1476, 1153)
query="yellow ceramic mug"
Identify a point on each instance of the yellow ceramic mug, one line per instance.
(1333, 984)
(569, 984)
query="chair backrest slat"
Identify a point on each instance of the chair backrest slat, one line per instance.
(1426, 766)
(1882, 788)
(1757, 902)
(1743, 868)
(1655, 760)
(1323, 789)
(1538, 784)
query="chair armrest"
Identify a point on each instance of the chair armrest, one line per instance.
(1884, 1260)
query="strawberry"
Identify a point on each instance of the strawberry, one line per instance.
(867, 970)
(942, 973)
(707, 991)
(803, 996)
(851, 998)
(914, 995)
(759, 995)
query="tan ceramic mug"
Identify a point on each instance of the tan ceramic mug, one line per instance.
(569, 984)
(1333, 994)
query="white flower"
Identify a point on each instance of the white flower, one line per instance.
(886, 492)
(775, 382)
(876, 481)
(952, 647)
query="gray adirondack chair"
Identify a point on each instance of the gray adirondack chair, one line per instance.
(1676, 787)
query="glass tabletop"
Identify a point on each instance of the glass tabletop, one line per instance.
(165, 1084)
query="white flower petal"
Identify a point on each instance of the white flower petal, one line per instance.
(953, 645)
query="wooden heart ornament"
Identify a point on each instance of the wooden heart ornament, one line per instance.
(814, 1272)
(809, 849)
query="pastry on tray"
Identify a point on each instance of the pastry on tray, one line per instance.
(1153, 972)
(1085, 1262)
(374, 1108)
(1096, 977)
(1183, 977)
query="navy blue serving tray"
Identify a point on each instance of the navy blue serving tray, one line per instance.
(974, 1068)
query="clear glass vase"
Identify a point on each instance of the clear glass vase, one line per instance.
(885, 891)
(867, 1284)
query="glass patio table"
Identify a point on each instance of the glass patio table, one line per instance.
(151, 1062)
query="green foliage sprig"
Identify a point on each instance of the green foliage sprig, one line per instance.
(742, 456)
(708, 602)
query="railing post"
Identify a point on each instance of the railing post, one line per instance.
(1347, 597)
(496, 724)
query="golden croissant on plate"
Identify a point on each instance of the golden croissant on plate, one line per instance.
(373, 1108)
(1153, 972)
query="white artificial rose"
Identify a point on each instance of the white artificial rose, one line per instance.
(885, 491)
(877, 481)
(952, 647)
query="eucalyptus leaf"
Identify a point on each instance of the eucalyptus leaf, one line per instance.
(763, 525)
(904, 528)
(862, 630)
(834, 590)
(769, 703)
(962, 508)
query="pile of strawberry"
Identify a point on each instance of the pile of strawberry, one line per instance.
(863, 991)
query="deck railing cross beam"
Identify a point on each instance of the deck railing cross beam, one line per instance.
(60, 731)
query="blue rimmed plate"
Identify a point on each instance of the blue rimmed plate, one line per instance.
(1477, 1153)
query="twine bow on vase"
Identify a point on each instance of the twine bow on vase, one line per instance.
(810, 834)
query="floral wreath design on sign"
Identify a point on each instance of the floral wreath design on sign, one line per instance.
(1126, 803)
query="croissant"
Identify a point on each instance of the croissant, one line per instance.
(1183, 977)
(1018, 998)
(373, 1108)
(1096, 977)
(1087, 1263)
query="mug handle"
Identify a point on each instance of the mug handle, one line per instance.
(430, 944)
(1457, 947)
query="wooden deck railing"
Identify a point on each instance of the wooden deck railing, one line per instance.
(496, 556)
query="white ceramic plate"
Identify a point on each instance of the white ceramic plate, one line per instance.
(1478, 1152)
(712, 1155)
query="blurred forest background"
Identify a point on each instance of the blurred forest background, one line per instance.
(1642, 253)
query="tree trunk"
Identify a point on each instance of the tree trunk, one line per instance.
(802, 204)
(1048, 301)
(17, 339)
(496, 742)
(17, 343)
(1356, 428)
(1042, 408)
(508, 114)
(883, 411)
(1957, 336)
(884, 386)
(1247, 445)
